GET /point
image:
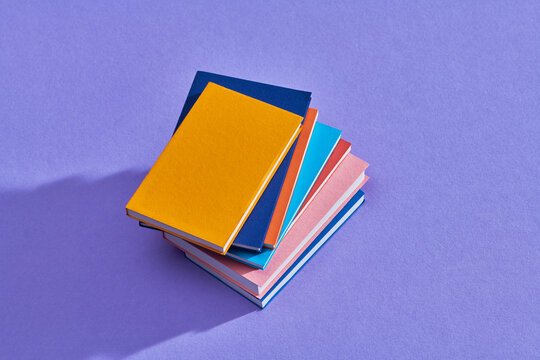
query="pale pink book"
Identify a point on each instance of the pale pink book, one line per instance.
(333, 195)
(341, 150)
(227, 280)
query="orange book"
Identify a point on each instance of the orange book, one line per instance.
(284, 199)
(215, 167)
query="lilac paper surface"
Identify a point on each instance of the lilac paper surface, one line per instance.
(442, 100)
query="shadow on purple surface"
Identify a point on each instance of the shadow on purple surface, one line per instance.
(79, 278)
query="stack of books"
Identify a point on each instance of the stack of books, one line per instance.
(250, 185)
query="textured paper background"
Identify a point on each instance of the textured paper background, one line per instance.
(443, 260)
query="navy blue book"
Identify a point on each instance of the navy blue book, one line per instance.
(295, 101)
(356, 201)
(253, 232)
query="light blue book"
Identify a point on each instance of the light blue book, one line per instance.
(322, 144)
(320, 147)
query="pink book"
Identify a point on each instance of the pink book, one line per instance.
(278, 283)
(333, 195)
(342, 148)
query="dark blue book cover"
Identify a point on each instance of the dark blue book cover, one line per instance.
(253, 232)
(295, 101)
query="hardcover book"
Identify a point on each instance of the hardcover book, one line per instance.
(214, 169)
(258, 226)
(263, 299)
(295, 101)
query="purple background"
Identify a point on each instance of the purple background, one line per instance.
(443, 261)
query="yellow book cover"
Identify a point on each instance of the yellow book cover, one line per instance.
(210, 175)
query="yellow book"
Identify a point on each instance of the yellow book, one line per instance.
(214, 169)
